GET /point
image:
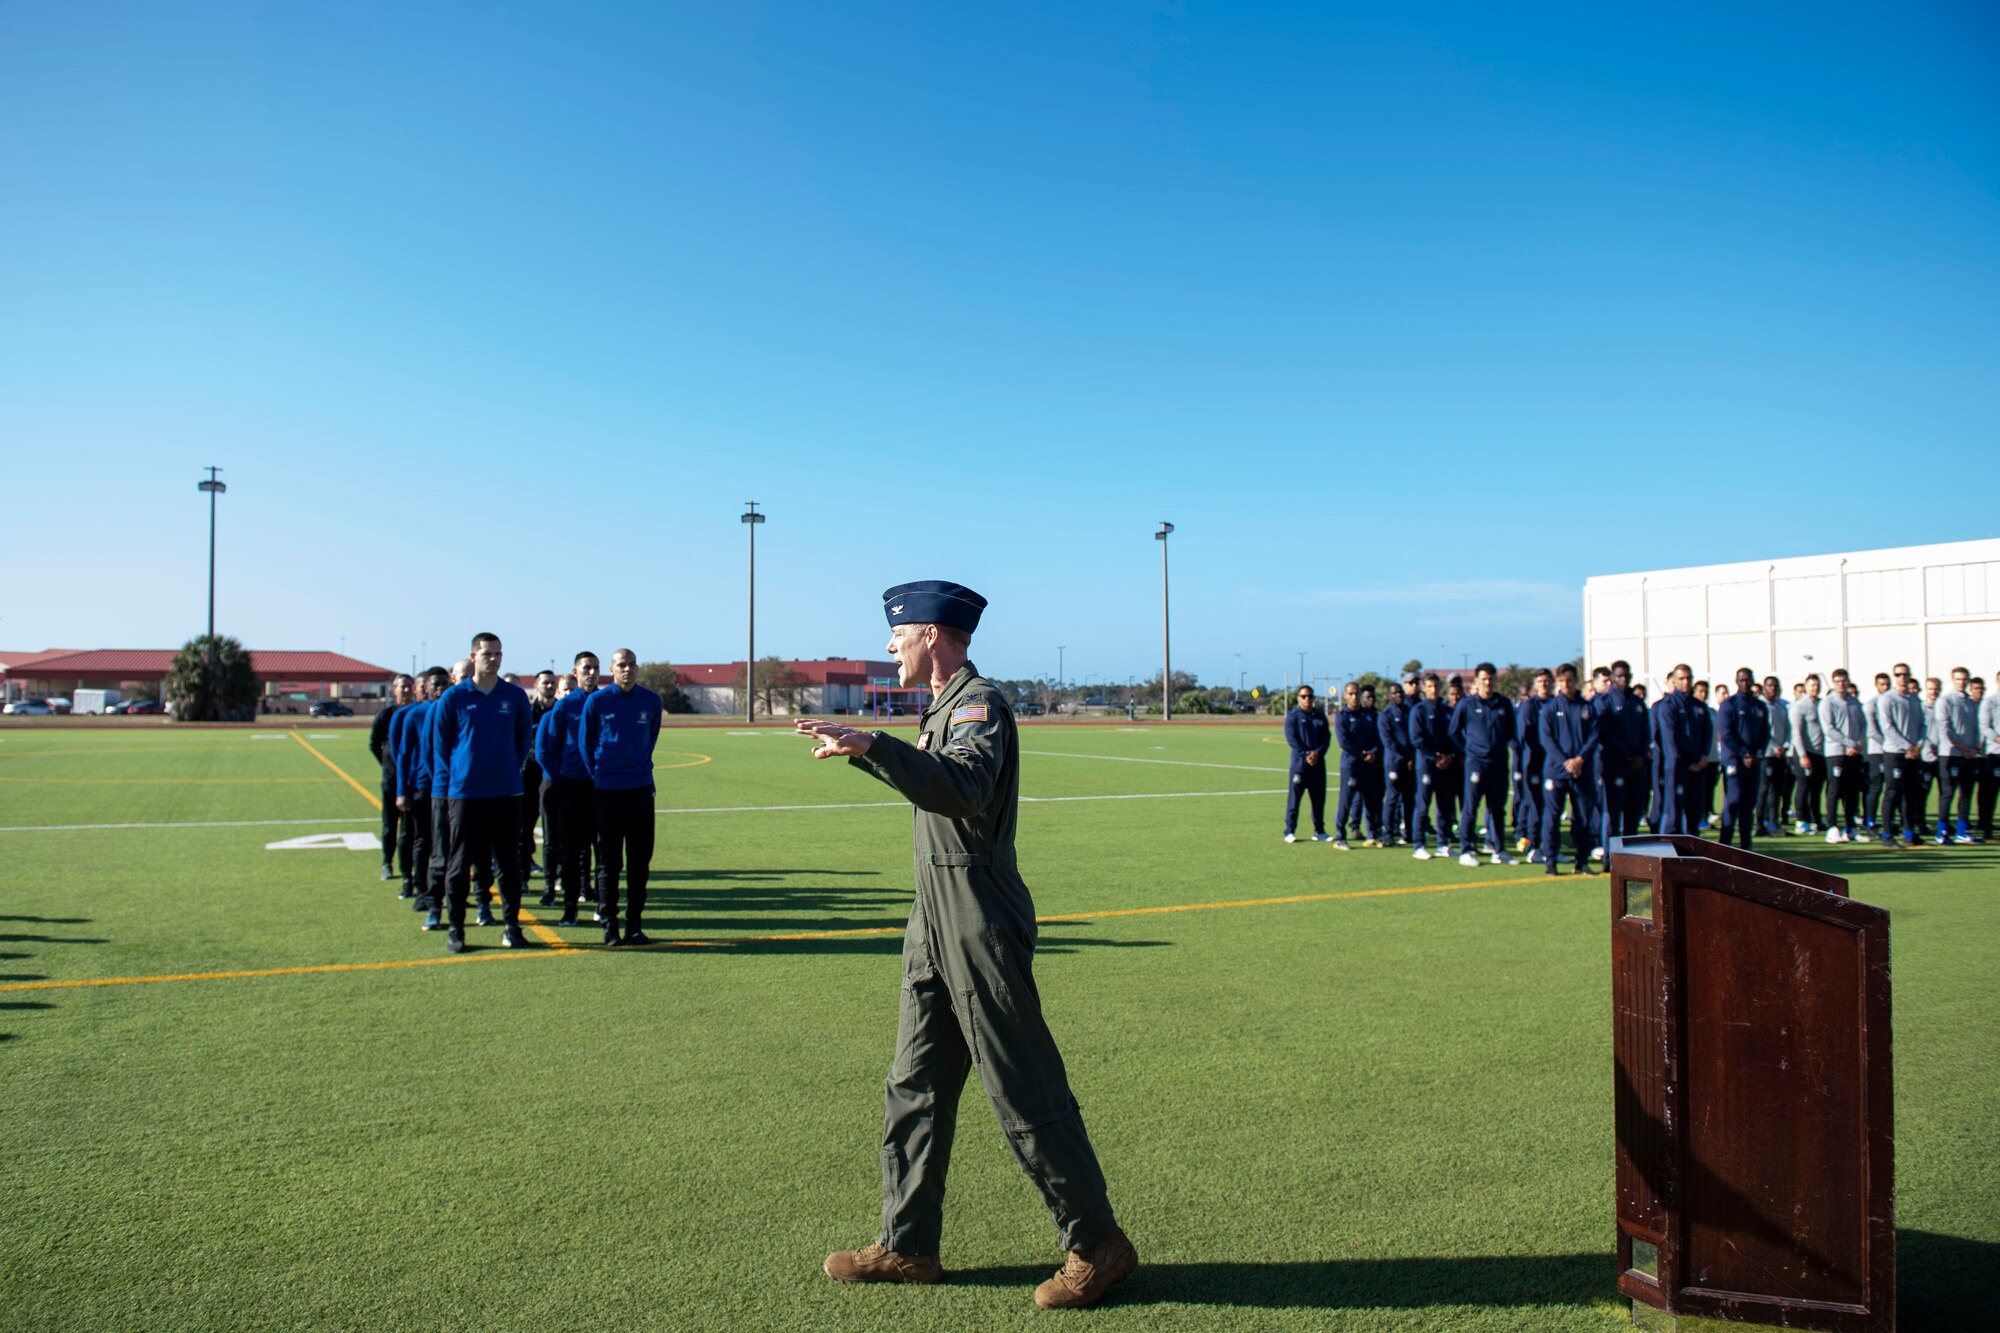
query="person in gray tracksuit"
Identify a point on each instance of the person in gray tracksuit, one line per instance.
(1845, 726)
(1871, 801)
(1809, 758)
(1989, 740)
(1900, 716)
(1774, 792)
(1955, 728)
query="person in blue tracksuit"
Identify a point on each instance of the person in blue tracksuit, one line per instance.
(1358, 734)
(1310, 736)
(1437, 769)
(481, 736)
(409, 740)
(1682, 732)
(621, 724)
(1709, 775)
(1483, 726)
(1624, 738)
(1528, 766)
(441, 840)
(1743, 724)
(571, 807)
(1399, 774)
(1569, 749)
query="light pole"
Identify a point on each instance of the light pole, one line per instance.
(1166, 630)
(1060, 677)
(214, 488)
(1239, 675)
(751, 518)
(1302, 666)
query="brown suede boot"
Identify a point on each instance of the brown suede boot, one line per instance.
(1089, 1274)
(875, 1263)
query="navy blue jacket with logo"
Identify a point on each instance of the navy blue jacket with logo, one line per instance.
(1569, 730)
(1430, 730)
(1357, 733)
(1528, 734)
(1745, 723)
(1483, 729)
(1307, 730)
(480, 739)
(1623, 729)
(619, 728)
(1392, 732)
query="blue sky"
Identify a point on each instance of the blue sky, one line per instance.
(1407, 317)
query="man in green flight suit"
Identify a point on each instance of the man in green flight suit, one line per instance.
(969, 997)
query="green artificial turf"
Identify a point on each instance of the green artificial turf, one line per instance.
(1377, 1112)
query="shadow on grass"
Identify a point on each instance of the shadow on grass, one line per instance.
(49, 920)
(1349, 1284)
(23, 1005)
(1946, 1282)
(51, 939)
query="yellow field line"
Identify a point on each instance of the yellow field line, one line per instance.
(567, 948)
(345, 776)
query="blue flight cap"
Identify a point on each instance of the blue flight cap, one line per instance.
(933, 602)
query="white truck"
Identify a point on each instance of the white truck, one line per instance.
(92, 701)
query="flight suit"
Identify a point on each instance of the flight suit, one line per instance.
(969, 998)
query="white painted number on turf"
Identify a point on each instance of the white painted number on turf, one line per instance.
(328, 842)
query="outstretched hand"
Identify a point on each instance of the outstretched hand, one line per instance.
(834, 739)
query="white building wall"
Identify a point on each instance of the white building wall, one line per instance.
(1934, 607)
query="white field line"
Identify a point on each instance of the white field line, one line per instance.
(1126, 759)
(199, 823)
(688, 810)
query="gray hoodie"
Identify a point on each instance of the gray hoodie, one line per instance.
(1845, 724)
(1900, 716)
(1871, 709)
(1989, 722)
(1956, 724)
(1808, 736)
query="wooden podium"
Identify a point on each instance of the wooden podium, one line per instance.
(1755, 1129)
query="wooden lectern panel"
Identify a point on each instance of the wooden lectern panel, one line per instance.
(1772, 1073)
(1755, 1134)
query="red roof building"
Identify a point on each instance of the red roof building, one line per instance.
(830, 685)
(53, 671)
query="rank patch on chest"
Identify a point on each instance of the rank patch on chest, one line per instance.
(924, 741)
(969, 713)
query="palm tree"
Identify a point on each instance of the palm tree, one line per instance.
(211, 680)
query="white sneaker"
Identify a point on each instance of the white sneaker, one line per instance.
(1322, 837)
(1422, 853)
(1833, 835)
(1535, 857)
(1502, 859)
(1597, 853)
(1801, 828)
(1468, 859)
(1291, 837)
(1862, 835)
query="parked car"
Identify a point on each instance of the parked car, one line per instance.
(57, 703)
(329, 708)
(137, 706)
(29, 708)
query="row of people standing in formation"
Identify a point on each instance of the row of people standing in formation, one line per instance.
(1610, 757)
(470, 761)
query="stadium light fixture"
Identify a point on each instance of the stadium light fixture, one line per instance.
(1166, 629)
(751, 518)
(214, 488)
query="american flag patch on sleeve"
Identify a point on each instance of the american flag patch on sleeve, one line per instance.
(969, 713)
